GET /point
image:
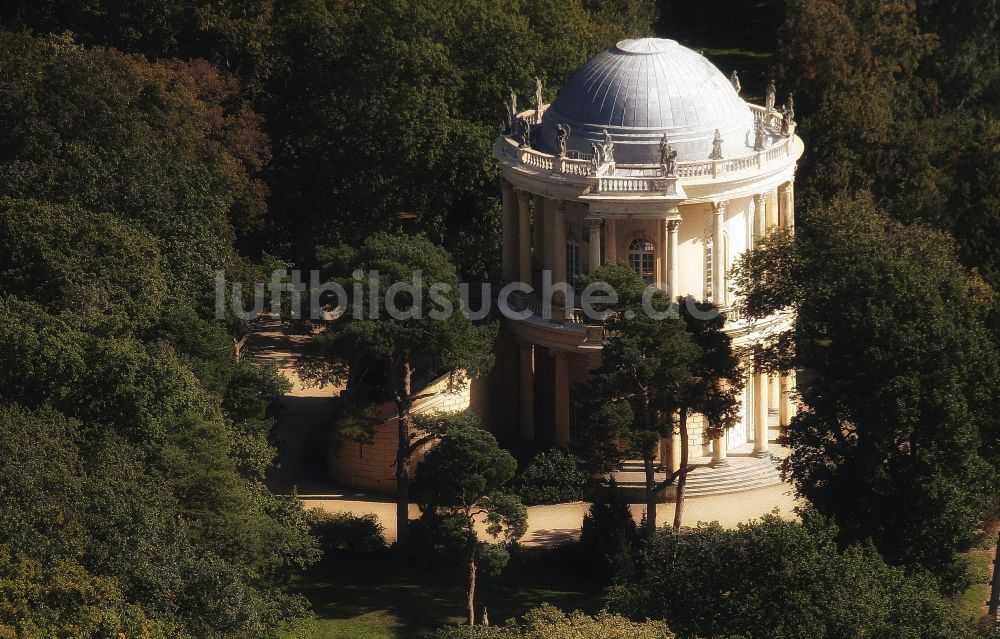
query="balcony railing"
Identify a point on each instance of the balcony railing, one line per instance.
(603, 179)
(595, 330)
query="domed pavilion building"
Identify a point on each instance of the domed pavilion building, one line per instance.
(648, 156)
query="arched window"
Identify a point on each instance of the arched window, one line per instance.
(640, 258)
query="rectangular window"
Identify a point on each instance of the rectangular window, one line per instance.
(572, 259)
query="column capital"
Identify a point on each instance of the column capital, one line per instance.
(673, 225)
(759, 199)
(523, 196)
(719, 208)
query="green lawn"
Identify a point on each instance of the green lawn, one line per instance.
(355, 598)
(972, 602)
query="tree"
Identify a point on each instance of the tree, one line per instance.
(852, 66)
(462, 480)
(781, 579)
(896, 437)
(608, 537)
(714, 387)
(646, 368)
(379, 352)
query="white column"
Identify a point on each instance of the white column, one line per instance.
(509, 223)
(719, 284)
(527, 387)
(760, 441)
(784, 403)
(674, 259)
(786, 199)
(673, 461)
(662, 261)
(524, 237)
(610, 241)
(558, 219)
(595, 244)
(772, 208)
(538, 234)
(760, 217)
(774, 391)
(543, 210)
(720, 450)
(561, 398)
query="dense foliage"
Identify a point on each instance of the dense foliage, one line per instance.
(900, 98)
(548, 622)
(134, 443)
(609, 539)
(347, 533)
(777, 579)
(394, 105)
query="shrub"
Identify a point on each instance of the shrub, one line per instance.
(348, 533)
(552, 477)
(548, 622)
(778, 579)
(609, 537)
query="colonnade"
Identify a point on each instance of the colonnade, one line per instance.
(528, 360)
(534, 235)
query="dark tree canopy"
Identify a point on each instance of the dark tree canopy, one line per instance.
(896, 439)
(159, 146)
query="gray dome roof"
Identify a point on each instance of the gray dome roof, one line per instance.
(640, 89)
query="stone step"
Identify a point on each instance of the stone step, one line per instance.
(716, 490)
(740, 474)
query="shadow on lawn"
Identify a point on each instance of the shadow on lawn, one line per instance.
(420, 601)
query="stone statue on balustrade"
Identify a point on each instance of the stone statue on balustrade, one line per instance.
(786, 121)
(607, 148)
(734, 79)
(790, 105)
(524, 126)
(760, 136)
(562, 135)
(668, 158)
(508, 119)
(769, 96)
(716, 147)
(595, 158)
(538, 100)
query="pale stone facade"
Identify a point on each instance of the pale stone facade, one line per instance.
(569, 207)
